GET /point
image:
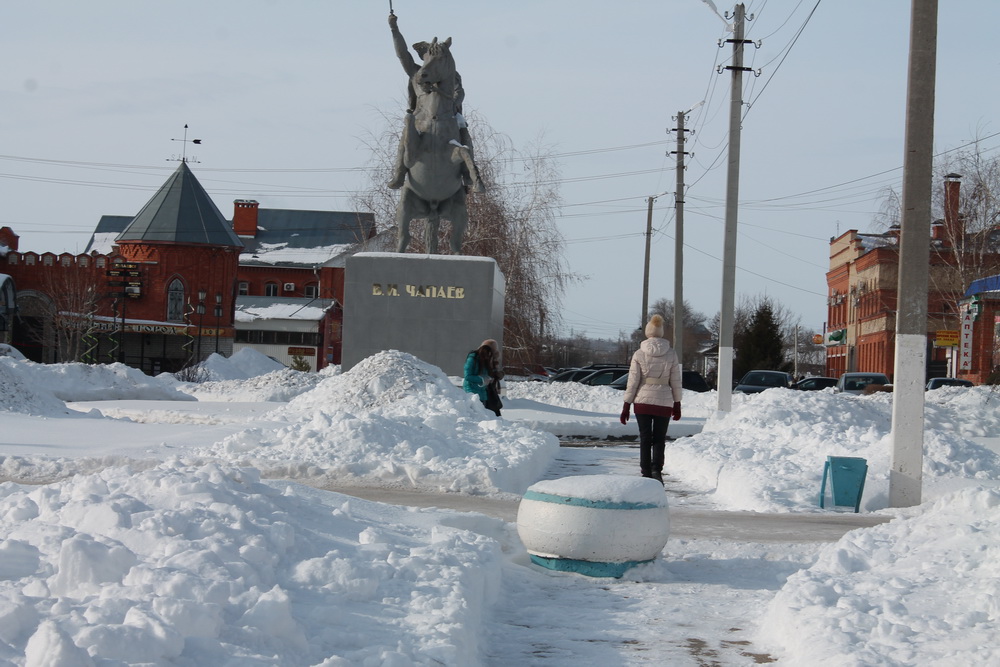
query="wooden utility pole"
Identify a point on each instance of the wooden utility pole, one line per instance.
(645, 271)
(906, 474)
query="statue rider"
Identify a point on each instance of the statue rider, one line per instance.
(411, 66)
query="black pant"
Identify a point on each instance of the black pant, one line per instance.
(652, 440)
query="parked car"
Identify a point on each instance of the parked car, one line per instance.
(693, 381)
(757, 381)
(937, 383)
(690, 380)
(855, 383)
(815, 383)
(604, 376)
(571, 375)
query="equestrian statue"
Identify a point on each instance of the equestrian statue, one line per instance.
(434, 168)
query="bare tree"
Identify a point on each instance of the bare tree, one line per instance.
(696, 332)
(513, 222)
(969, 248)
(75, 294)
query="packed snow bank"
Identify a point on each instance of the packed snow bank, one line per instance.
(207, 565)
(923, 590)
(246, 376)
(767, 454)
(278, 386)
(87, 382)
(394, 419)
(19, 394)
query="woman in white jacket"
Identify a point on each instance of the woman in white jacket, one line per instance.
(654, 386)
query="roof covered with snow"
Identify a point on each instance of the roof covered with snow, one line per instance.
(252, 308)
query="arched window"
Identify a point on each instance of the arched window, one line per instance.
(271, 289)
(175, 301)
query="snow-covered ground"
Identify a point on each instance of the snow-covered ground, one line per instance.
(161, 522)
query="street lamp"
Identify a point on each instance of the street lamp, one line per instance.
(201, 318)
(218, 318)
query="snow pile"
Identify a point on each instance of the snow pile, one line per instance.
(90, 382)
(923, 590)
(10, 351)
(394, 419)
(768, 453)
(599, 399)
(19, 394)
(248, 375)
(207, 565)
(280, 386)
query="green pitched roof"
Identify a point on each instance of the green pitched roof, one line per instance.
(181, 212)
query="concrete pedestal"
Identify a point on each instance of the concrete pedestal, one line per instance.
(436, 307)
(597, 525)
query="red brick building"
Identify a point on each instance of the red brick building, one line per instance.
(862, 297)
(177, 281)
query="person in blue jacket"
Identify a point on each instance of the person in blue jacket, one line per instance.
(483, 374)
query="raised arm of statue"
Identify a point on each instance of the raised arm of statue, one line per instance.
(410, 66)
(459, 93)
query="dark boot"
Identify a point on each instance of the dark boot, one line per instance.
(658, 476)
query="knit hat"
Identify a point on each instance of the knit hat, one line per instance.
(654, 328)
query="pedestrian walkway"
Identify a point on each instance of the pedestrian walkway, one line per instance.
(690, 516)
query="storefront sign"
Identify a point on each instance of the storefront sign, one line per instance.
(965, 347)
(946, 339)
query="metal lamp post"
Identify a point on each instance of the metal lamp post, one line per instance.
(201, 318)
(218, 319)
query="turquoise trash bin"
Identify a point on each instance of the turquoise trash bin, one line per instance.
(847, 480)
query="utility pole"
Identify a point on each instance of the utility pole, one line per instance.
(727, 314)
(645, 272)
(679, 241)
(906, 474)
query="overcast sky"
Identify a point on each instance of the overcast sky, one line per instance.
(285, 94)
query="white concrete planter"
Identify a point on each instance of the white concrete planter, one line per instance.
(598, 525)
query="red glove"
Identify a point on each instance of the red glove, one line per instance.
(677, 410)
(625, 412)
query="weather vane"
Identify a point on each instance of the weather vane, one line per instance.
(183, 157)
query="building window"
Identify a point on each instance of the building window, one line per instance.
(175, 301)
(311, 290)
(67, 261)
(29, 260)
(271, 289)
(47, 260)
(12, 258)
(100, 262)
(84, 261)
(244, 288)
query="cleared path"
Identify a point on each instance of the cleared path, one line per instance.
(591, 458)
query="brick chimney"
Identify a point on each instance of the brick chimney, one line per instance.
(953, 222)
(8, 238)
(245, 217)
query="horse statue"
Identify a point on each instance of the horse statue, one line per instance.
(435, 156)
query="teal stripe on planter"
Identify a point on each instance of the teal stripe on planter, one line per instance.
(583, 502)
(586, 567)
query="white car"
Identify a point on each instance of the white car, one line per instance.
(855, 383)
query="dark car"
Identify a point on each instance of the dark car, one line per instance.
(571, 375)
(936, 383)
(690, 380)
(757, 381)
(604, 376)
(815, 383)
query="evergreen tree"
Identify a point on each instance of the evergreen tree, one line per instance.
(760, 345)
